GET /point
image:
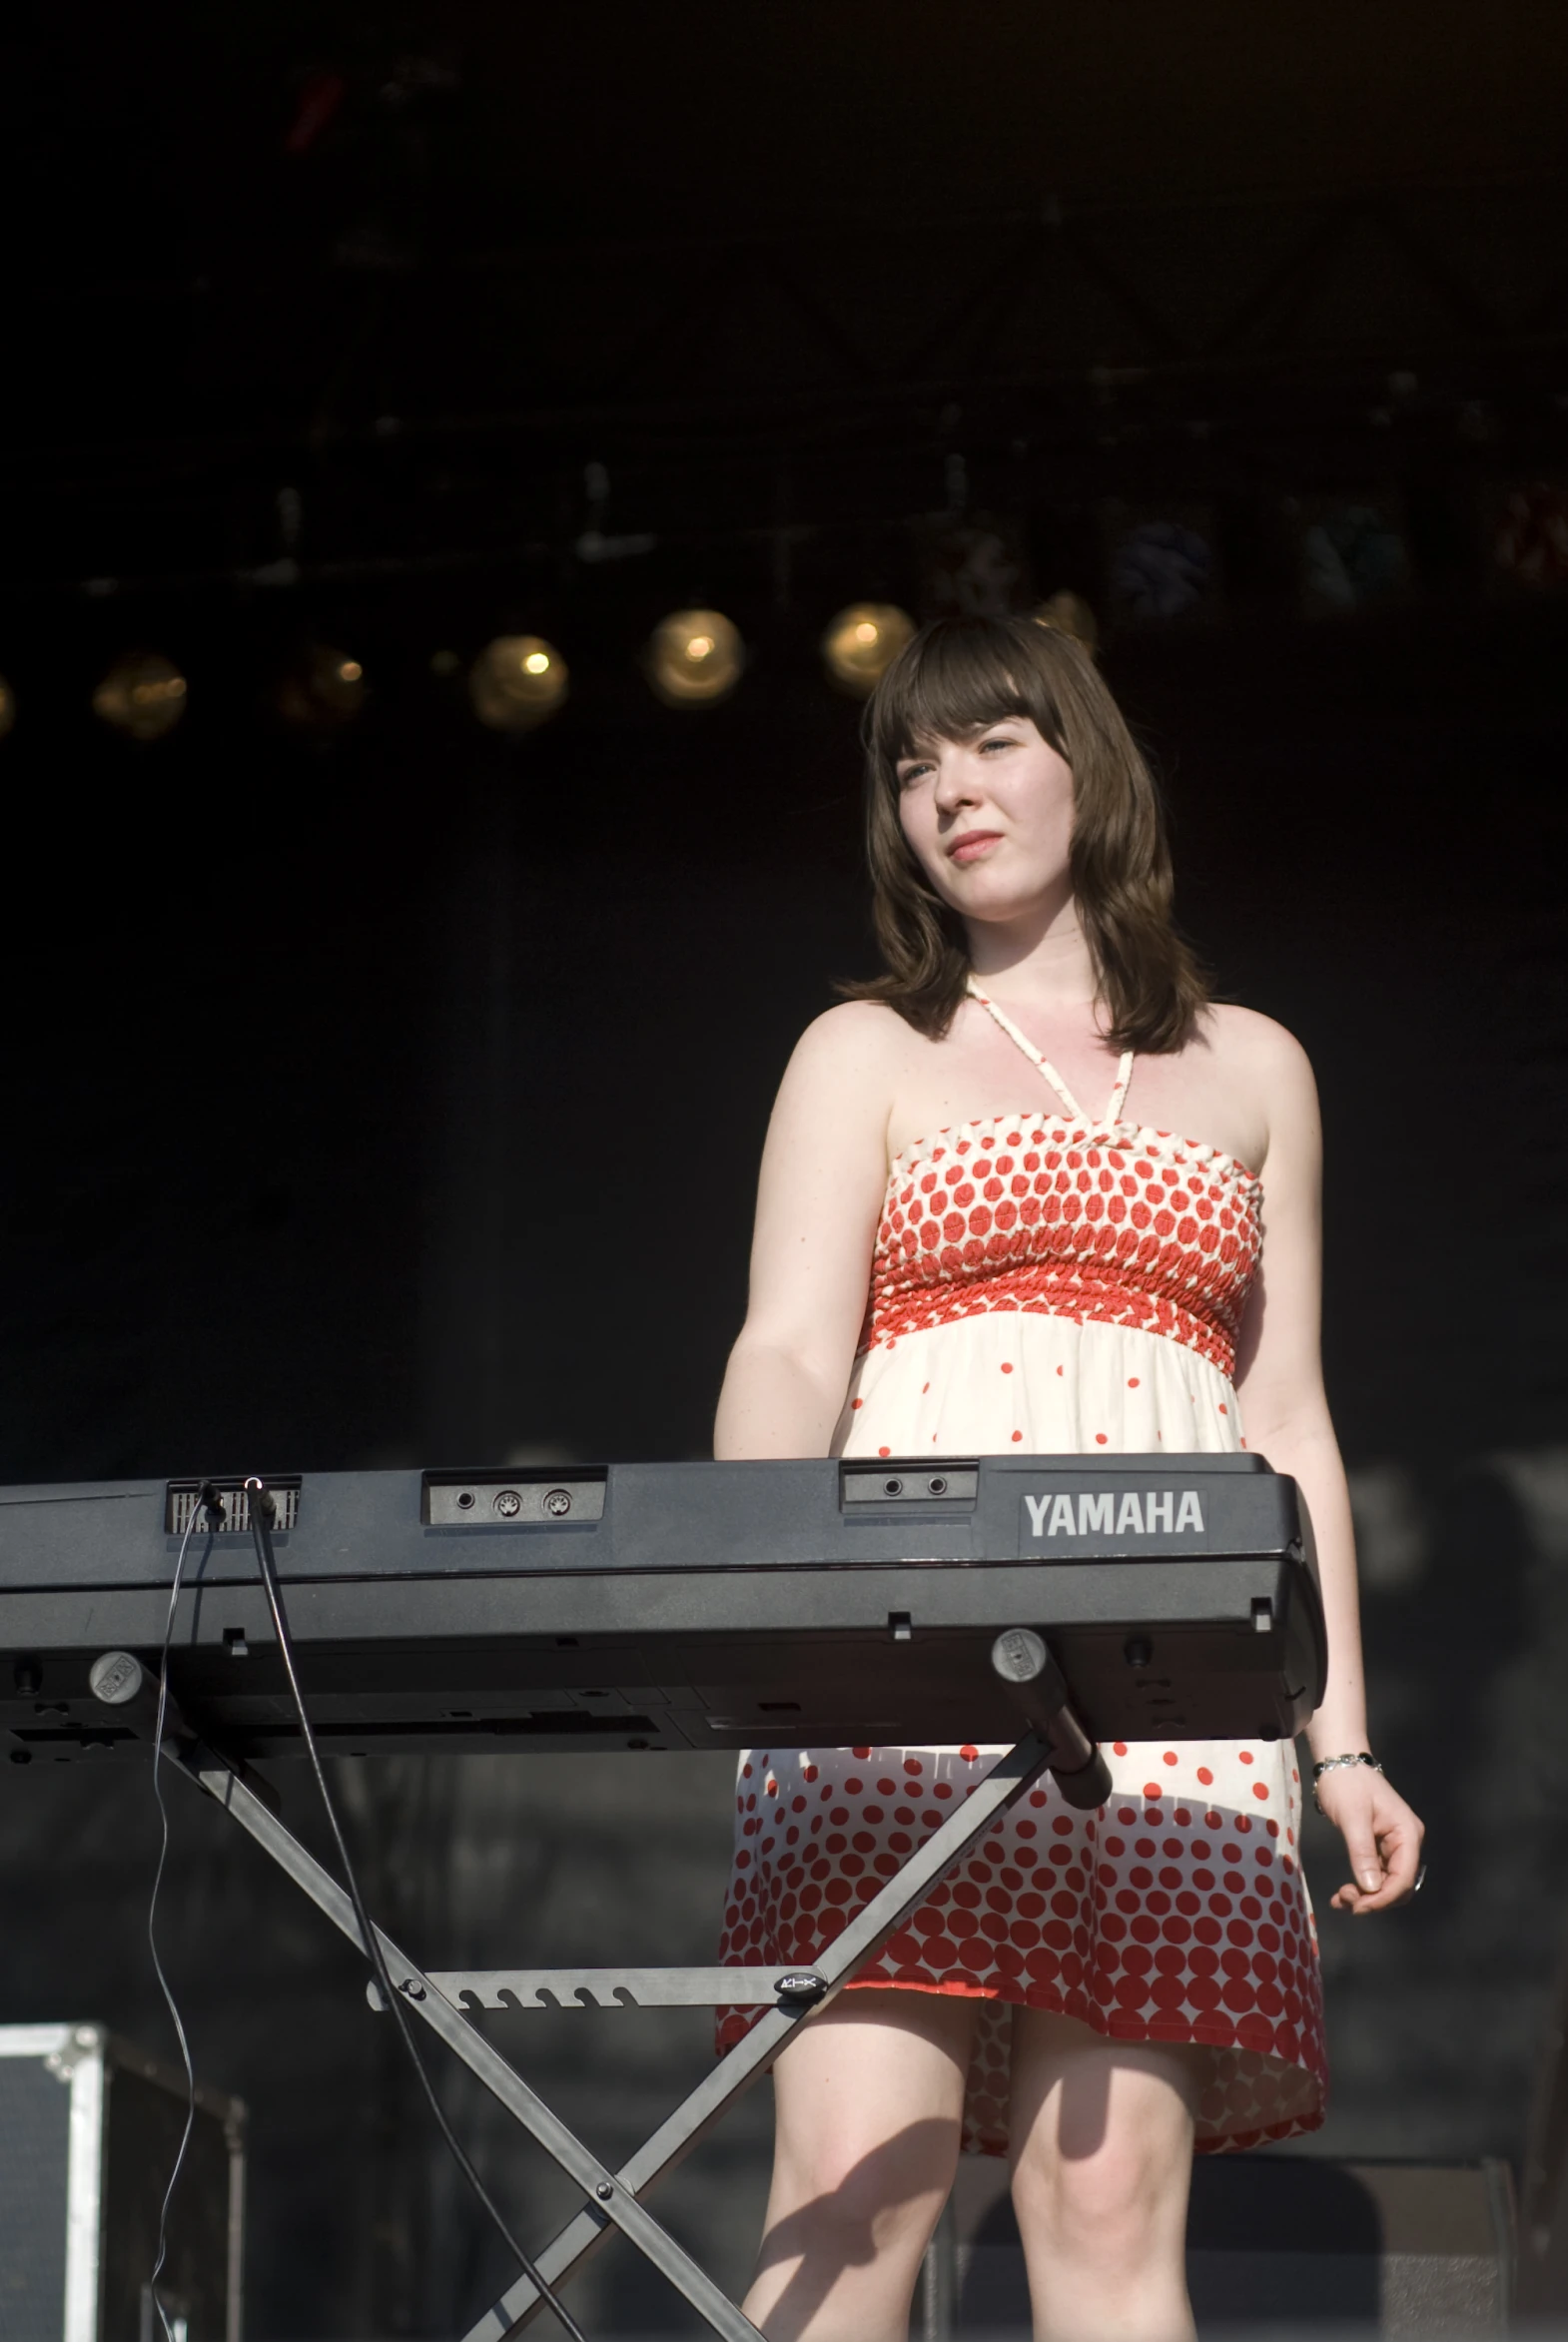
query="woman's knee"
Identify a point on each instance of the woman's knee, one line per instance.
(1115, 2202)
(1104, 2143)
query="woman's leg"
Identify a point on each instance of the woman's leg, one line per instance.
(1102, 2165)
(870, 2099)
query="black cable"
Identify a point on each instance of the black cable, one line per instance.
(205, 1503)
(263, 1510)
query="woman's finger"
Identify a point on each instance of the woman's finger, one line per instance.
(1366, 1860)
(1398, 1855)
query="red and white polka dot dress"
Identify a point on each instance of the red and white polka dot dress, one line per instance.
(1065, 1286)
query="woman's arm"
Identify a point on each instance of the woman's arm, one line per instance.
(824, 1173)
(1285, 1412)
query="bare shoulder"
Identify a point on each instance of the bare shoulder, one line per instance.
(859, 1036)
(1267, 1067)
(1258, 1051)
(846, 1064)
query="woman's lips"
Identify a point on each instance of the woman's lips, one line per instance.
(972, 845)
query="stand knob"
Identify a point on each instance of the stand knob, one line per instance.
(1021, 1659)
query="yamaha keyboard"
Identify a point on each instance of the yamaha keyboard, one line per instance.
(1044, 1602)
(828, 1603)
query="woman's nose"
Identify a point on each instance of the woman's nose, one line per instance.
(954, 783)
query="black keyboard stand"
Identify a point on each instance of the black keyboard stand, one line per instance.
(788, 1998)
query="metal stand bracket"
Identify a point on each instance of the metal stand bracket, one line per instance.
(786, 1997)
(623, 1987)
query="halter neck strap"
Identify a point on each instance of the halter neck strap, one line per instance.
(1044, 1065)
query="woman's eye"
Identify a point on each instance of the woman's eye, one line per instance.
(1000, 742)
(912, 773)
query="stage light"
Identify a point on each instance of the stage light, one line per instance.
(1071, 614)
(141, 695)
(862, 643)
(321, 690)
(7, 707)
(694, 657)
(517, 682)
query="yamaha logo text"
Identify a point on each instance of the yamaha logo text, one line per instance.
(1148, 1513)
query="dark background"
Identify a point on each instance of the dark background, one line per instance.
(391, 1095)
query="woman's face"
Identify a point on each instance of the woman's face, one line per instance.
(990, 819)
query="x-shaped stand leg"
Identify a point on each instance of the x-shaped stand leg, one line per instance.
(613, 2198)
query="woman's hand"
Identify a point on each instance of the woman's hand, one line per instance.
(1381, 1835)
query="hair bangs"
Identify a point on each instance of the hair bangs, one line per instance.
(952, 683)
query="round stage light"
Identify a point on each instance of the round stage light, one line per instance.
(143, 695)
(1071, 614)
(517, 682)
(695, 658)
(321, 690)
(862, 643)
(7, 707)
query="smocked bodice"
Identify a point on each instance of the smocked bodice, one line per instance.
(1104, 1221)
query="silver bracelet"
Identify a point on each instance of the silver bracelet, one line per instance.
(1333, 1764)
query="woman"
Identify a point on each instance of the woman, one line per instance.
(1092, 1994)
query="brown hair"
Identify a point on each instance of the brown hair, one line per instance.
(955, 677)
